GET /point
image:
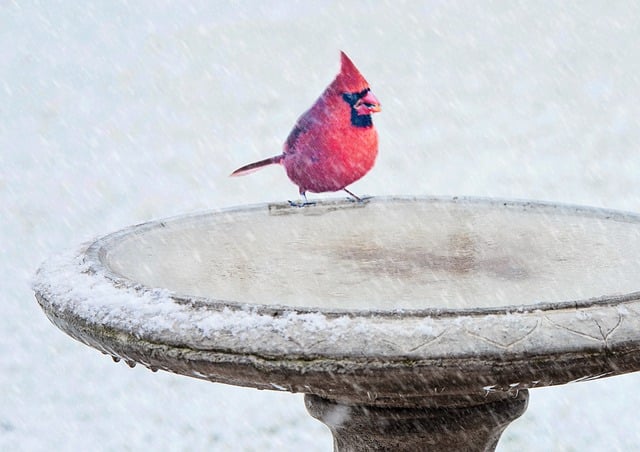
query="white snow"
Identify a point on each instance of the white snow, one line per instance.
(71, 283)
(115, 113)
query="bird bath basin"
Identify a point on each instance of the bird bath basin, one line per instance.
(409, 323)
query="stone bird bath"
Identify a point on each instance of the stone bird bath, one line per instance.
(409, 323)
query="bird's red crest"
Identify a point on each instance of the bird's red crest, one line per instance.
(349, 80)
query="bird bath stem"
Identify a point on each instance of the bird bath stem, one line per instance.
(409, 323)
(465, 427)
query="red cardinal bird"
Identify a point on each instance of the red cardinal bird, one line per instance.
(334, 143)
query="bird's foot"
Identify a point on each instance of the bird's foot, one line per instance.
(301, 203)
(358, 199)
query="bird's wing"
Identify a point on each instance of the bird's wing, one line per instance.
(305, 127)
(299, 129)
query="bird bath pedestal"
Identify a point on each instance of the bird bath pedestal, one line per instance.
(409, 323)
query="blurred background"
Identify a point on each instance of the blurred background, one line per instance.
(115, 112)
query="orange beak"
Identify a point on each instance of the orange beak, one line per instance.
(367, 104)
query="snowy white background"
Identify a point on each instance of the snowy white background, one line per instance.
(113, 113)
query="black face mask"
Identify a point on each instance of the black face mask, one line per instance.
(356, 119)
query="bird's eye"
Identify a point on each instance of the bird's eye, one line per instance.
(350, 98)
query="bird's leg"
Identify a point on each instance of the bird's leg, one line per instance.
(357, 198)
(302, 204)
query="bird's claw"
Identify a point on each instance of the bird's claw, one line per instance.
(360, 199)
(301, 203)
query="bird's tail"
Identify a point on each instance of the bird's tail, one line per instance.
(251, 167)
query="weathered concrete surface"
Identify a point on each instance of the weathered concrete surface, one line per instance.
(409, 303)
(469, 427)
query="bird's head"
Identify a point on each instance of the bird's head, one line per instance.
(354, 90)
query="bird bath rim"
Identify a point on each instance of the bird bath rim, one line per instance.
(95, 254)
